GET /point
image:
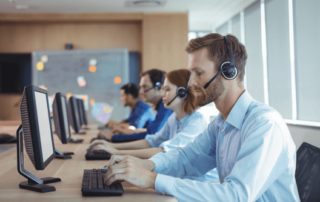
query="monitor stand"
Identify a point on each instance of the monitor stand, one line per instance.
(72, 140)
(63, 155)
(34, 183)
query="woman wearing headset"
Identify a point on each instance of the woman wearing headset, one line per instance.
(182, 126)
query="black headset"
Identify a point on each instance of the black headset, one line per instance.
(182, 92)
(158, 84)
(227, 69)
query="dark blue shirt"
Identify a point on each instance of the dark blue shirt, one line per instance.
(153, 126)
(140, 115)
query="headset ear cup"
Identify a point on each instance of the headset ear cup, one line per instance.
(157, 86)
(181, 92)
(228, 71)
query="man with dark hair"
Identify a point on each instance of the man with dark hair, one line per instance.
(248, 142)
(141, 113)
(150, 86)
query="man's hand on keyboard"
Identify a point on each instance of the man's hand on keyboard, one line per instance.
(106, 148)
(106, 134)
(132, 173)
(122, 159)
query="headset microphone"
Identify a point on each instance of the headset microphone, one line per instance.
(172, 100)
(227, 69)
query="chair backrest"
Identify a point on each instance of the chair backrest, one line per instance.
(308, 172)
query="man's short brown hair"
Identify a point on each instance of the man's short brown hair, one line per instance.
(218, 52)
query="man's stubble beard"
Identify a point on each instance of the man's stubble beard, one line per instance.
(212, 93)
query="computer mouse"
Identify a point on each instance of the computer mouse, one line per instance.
(6, 138)
(98, 138)
(106, 168)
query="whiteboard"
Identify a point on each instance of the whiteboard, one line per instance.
(62, 70)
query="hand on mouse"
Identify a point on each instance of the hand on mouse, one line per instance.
(106, 148)
(106, 134)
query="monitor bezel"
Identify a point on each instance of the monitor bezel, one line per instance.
(80, 112)
(74, 110)
(64, 138)
(85, 121)
(34, 127)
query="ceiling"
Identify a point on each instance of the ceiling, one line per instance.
(204, 15)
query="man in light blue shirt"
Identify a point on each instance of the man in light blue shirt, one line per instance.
(248, 143)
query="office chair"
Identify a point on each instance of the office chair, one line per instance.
(308, 172)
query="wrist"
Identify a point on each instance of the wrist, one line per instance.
(118, 152)
(152, 179)
(150, 165)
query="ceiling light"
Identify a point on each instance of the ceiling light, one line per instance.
(22, 7)
(145, 3)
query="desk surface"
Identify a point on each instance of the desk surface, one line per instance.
(70, 171)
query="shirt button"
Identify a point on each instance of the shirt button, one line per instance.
(221, 155)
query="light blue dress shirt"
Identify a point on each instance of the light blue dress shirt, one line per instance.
(252, 150)
(177, 133)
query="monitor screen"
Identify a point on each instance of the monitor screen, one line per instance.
(44, 125)
(65, 117)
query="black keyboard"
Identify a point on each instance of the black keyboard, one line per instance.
(93, 184)
(97, 155)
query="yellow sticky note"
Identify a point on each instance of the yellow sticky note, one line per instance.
(43, 87)
(40, 66)
(106, 109)
(69, 95)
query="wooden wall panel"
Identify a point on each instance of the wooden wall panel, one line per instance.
(9, 107)
(164, 37)
(33, 36)
(160, 38)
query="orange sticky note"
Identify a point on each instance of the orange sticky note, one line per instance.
(117, 80)
(92, 68)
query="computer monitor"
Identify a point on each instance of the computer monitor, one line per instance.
(36, 132)
(83, 115)
(61, 124)
(73, 114)
(60, 118)
(80, 112)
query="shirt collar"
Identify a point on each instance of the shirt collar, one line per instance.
(238, 111)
